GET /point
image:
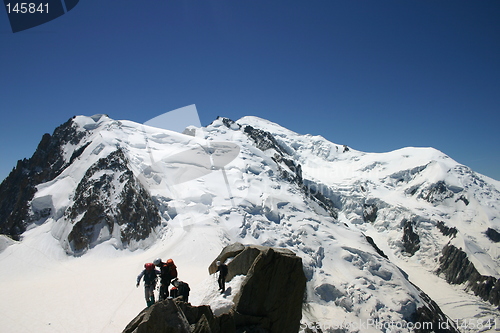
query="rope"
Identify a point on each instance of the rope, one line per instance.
(117, 308)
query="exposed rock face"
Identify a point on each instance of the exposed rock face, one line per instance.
(271, 295)
(263, 140)
(370, 212)
(108, 202)
(439, 192)
(273, 291)
(165, 316)
(457, 269)
(372, 243)
(493, 235)
(446, 231)
(93, 210)
(176, 316)
(411, 240)
(289, 169)
(20, 186)
(431, 316)
(270, 298)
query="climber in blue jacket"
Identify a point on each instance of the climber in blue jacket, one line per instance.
(150, 275)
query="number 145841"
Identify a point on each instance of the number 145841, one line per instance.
(27, 8)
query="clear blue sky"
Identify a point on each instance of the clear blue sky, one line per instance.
(374, 75)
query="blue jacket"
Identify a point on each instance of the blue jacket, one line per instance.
(149, 277)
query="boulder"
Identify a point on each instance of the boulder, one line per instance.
(161, 317)
(272, 292)
(200, 317)
(229, 251)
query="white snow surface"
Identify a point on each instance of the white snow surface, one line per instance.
(218, 188)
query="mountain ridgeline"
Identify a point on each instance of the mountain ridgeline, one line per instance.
(362, 223)
(107, 197)
(18, 189)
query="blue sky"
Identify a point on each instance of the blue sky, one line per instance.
(374, 75)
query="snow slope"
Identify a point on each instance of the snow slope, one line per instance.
(214, 187)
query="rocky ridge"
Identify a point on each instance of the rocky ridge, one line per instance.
(270, 298)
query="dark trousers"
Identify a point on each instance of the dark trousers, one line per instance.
(164, 289)
(222, 282)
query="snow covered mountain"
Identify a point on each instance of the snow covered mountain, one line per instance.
(381, 236)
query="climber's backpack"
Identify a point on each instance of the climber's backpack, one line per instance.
(172, 269)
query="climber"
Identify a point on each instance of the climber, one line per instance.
(180, 289)
(150, 274)
(222, 269)
(168, 271)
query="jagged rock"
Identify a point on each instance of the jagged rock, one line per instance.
(370, 212)
(264, 140)
(457, 269)
(202, 326)
(136, 213)
(229, 251)
(161, 317)
(271, 295)
(493, 235)
(95, 212)
(20, 186)
(273, 291)
(411, 240)
(229, 123)
(447, 231)
(372, 243)
(464, 199)
(201, 318)
(322, 200)
(439, 191)
(430, 318)
(288, 168)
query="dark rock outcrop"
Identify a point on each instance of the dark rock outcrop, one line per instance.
(370, 212)
(325, 202)
(289, 169)
(411, 240)
(108, 195)
(430, 318)
(263, 140)
(457, 269)
(108, 180)
(493, 235)
(176, 316)
(229, 123)
(446, 231)
(464, 200)
(439, 192)
(20, 186)
(165, 316)
(372, 243)
(271, 295)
